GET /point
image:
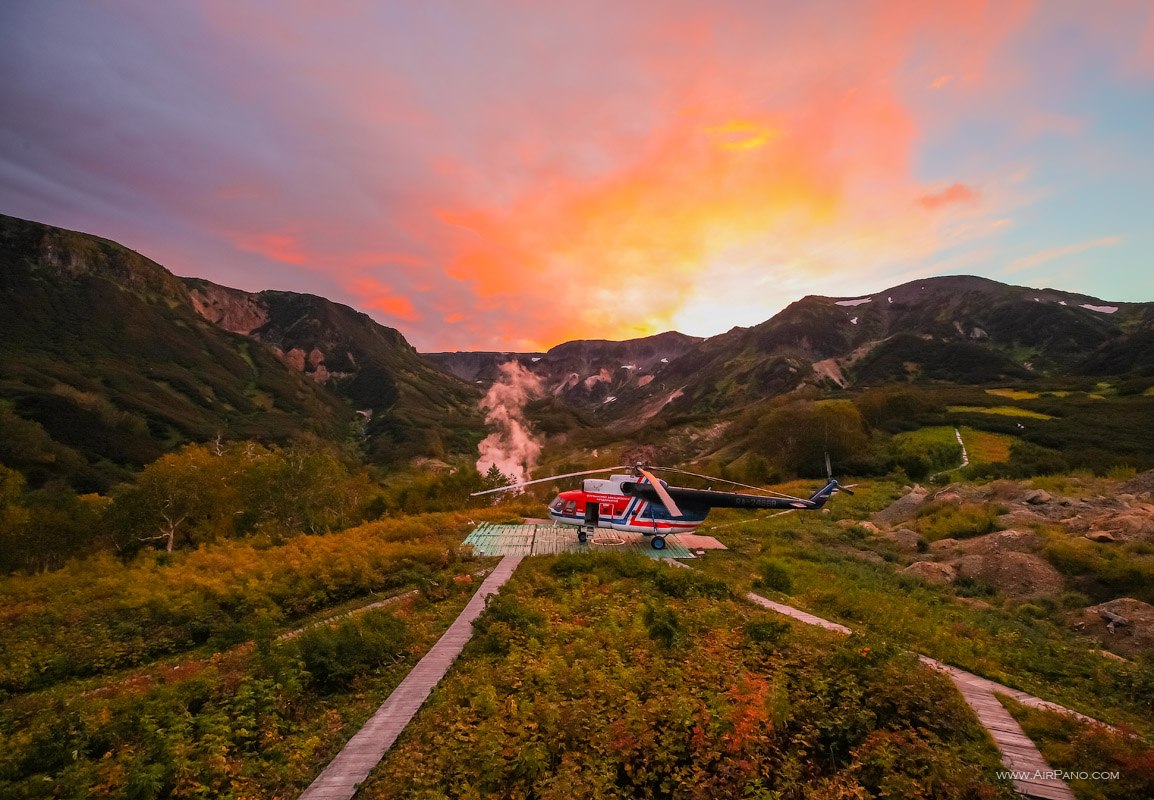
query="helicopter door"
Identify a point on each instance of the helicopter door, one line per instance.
(592, 514)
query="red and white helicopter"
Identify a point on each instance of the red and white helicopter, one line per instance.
(640, 502)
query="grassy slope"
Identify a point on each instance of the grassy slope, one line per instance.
(1105, 765)
(618, 677)
(248, 722)
(151, 662)
(838, 574)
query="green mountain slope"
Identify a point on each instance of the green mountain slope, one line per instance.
(963, 330)
(102, 352)
(412, 406)
(105, 363)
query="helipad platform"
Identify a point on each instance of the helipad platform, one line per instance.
(540, 540)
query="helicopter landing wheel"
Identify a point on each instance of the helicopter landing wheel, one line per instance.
(657, 543)
(582, 536)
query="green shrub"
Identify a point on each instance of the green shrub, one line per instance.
(957, 520)
(968, 586)
(662, 624)
(334, 656)
(572, 564)
(684, 583)
(774, 575)
(767, 632)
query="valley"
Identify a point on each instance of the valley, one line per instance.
(232, 522)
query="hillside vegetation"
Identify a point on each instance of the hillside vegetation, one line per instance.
(617, 677)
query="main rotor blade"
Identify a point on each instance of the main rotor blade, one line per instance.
(666, 500)
(550, 478)
(769, 492)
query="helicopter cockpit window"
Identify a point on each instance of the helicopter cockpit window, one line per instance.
(571, 507)
(557, 504)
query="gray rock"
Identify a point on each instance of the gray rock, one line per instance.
(931, 572)
(903, 508)
(1037, 497)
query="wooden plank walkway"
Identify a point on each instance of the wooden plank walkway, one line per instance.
(1019, 754)
(352, 764)
(797, 613)
(1033, 776)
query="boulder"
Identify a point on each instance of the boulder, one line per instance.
(1105, 537)
(931, 572)
(905, 507)
(1021, 576)
(1038, 497)
(905, 538)
(1129, 526)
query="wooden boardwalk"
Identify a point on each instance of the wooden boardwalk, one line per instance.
(1019, 754)
(1033, 775)
(797, 613)
(352, 765)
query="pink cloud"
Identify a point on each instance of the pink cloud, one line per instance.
(1052, 253)
(378, 296)
(655, 162)
(954, 193)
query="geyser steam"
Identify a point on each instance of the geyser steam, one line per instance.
(511, 446)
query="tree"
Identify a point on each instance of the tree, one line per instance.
(300, 489)
(182, 497)
(495, 479)
(798, 436)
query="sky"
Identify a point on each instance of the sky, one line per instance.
(509, 175)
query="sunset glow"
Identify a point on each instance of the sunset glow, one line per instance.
(509, 176)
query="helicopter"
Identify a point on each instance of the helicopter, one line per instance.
(640, 502)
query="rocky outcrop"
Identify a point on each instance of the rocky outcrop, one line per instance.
(231, 309)
(991, 544)
(931, 572)
(584, 372)
(902, 509)
(1021, 576)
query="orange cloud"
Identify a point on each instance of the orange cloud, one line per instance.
(1051, 253)
(274, 246)
(377, 296)
(715, 166)
(954, 193)
(740, 135)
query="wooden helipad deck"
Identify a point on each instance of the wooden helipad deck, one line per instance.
(534, 539)
(352, 765)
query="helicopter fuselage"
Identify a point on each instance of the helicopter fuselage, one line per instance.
(604, 503)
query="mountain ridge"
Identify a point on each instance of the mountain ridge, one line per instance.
(109, 360)
(112, 360)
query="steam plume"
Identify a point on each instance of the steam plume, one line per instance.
(511, 446)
